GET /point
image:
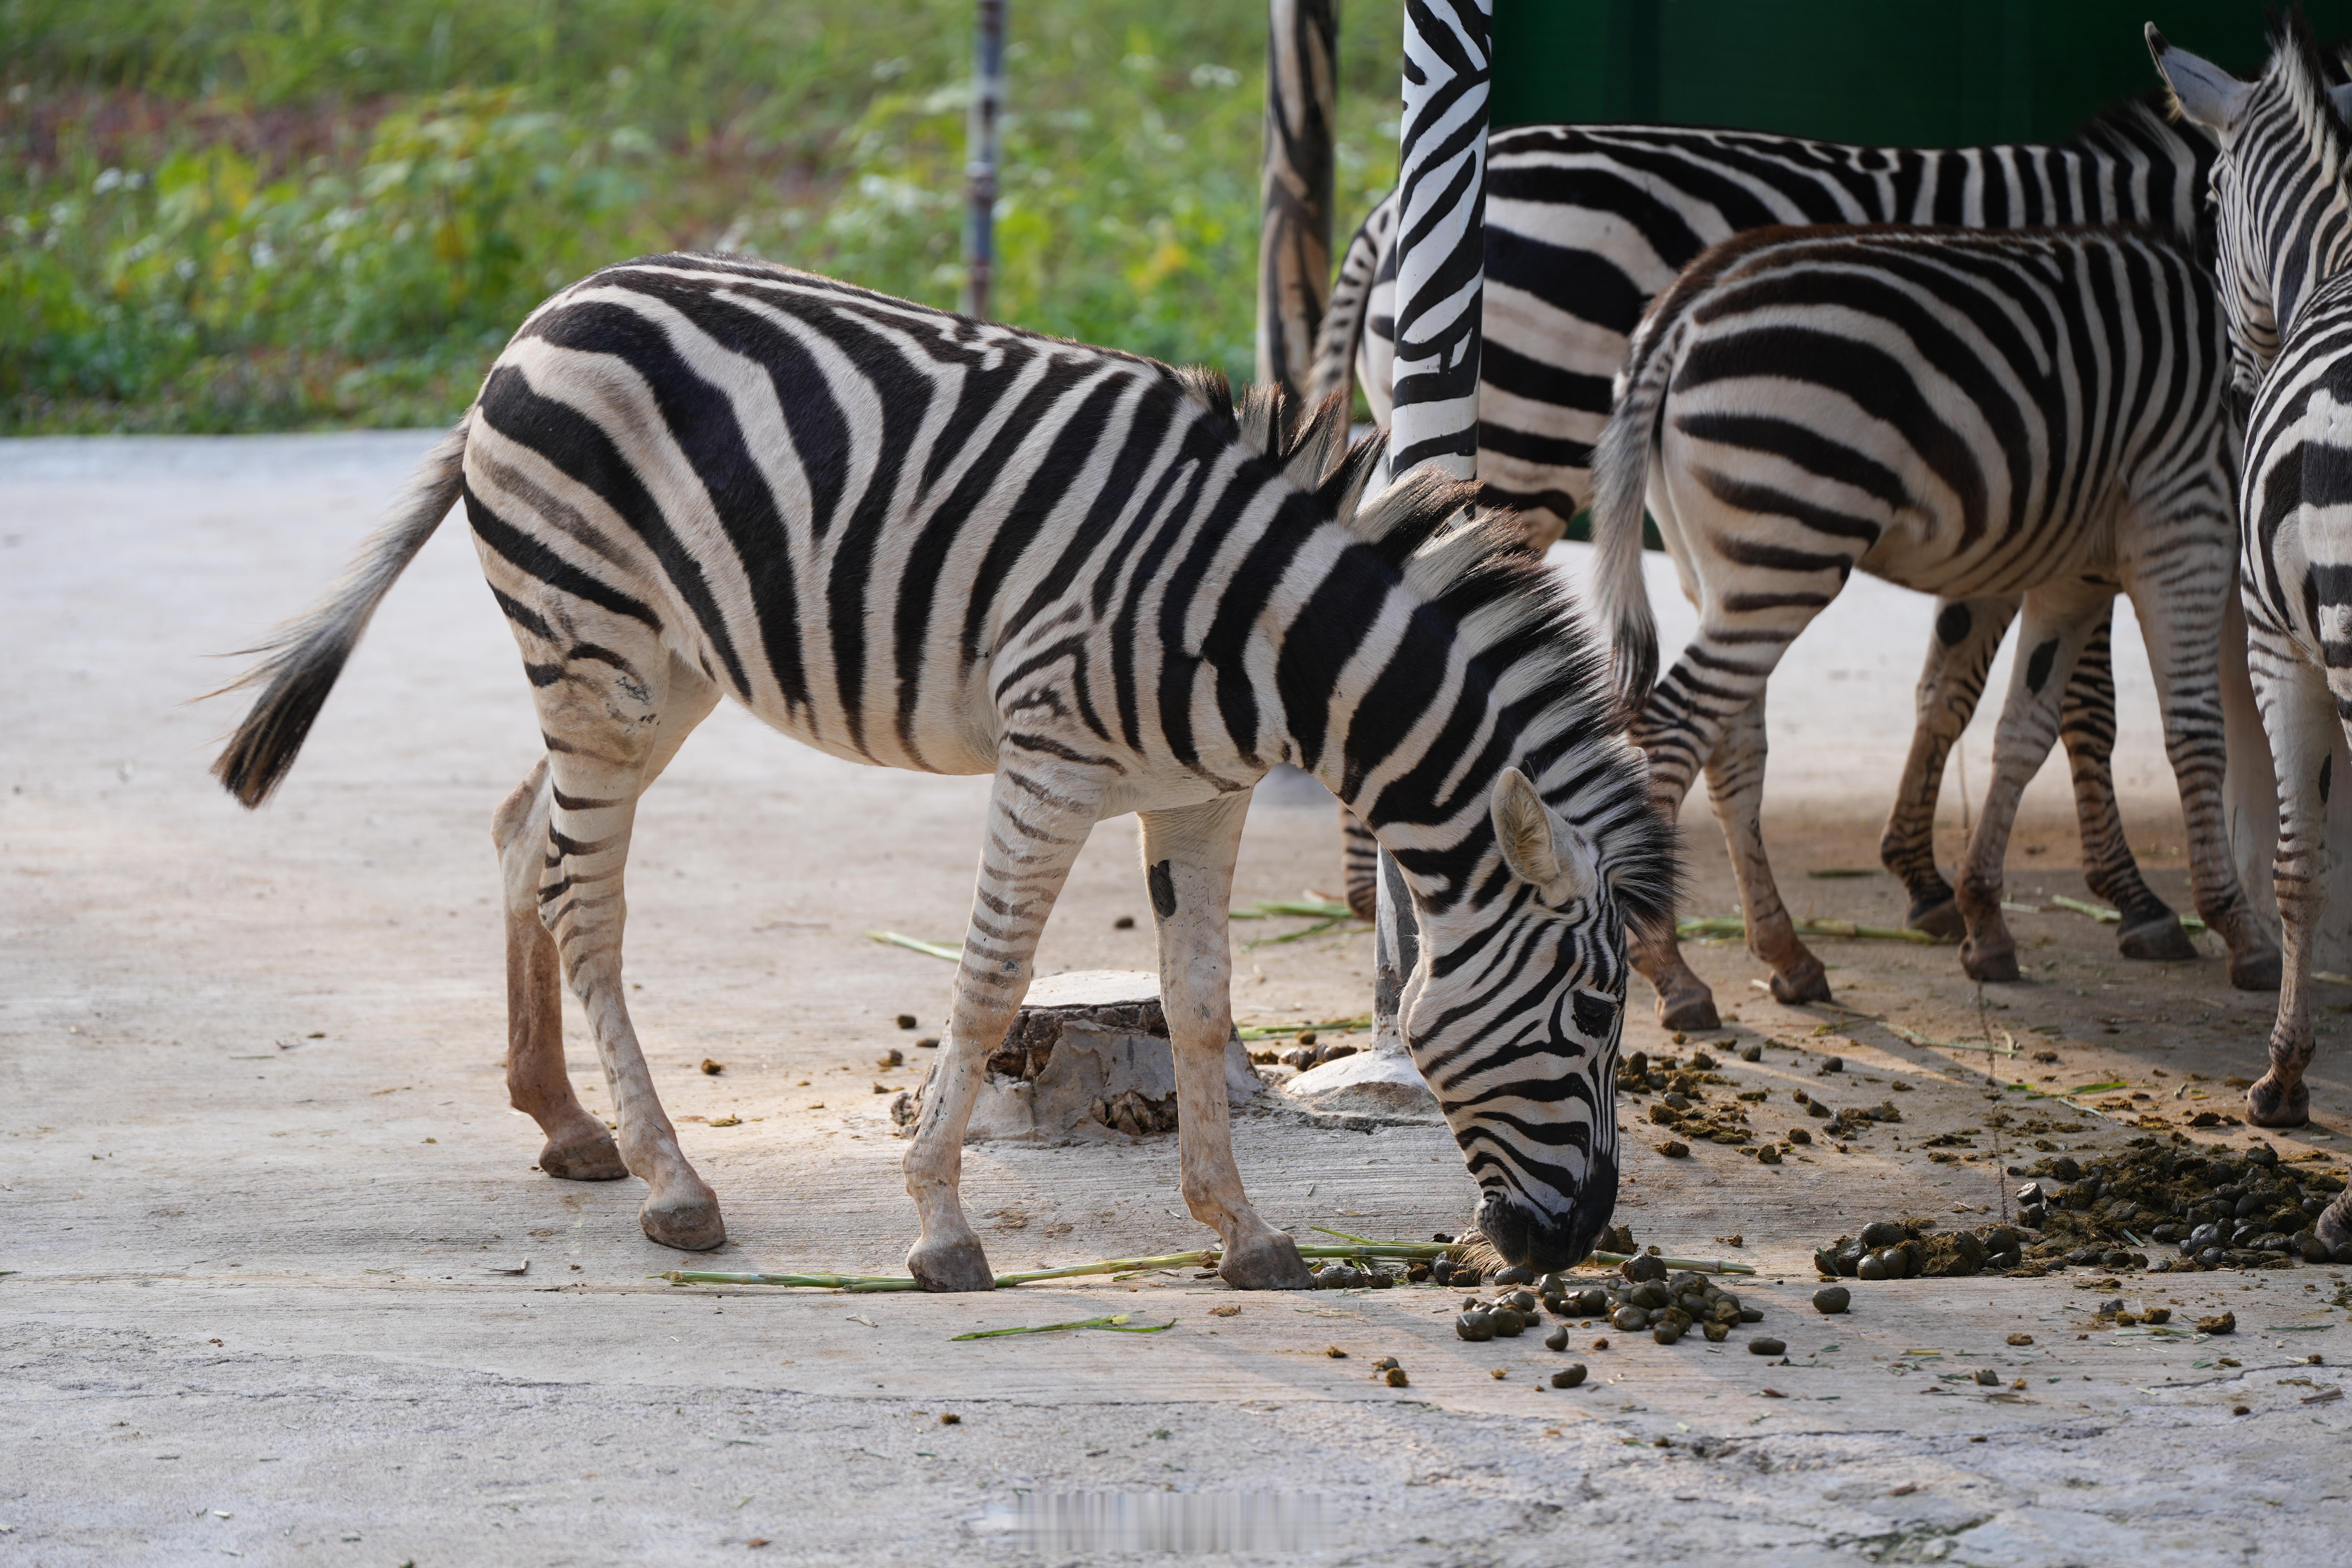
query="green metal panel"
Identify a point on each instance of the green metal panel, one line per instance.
(1922, 73)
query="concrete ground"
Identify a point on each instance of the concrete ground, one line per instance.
(265, 1204)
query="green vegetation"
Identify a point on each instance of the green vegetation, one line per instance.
(240, 215)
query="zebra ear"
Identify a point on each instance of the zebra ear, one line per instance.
(1540, 849)
(2205, 94)
(2341, 97)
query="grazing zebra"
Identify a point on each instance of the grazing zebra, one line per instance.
(2283, 188)
(919, 541)
(2029, 413)
(1585, 224)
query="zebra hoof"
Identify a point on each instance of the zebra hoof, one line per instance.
(1266, 1263)
(1808, 982)
(1687, 1006)
(690, 1224)
(2157, 939)
(582, 1157)
(1941, 919)
(1994, 968)
(2267, 1105)
(2255, 970)
(2334, 1225)
(950, 1265)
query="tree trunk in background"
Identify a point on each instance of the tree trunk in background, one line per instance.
(1294, 251)
(1441, 277)
(979, 157)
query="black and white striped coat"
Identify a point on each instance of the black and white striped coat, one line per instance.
(2282, 195)
(2036, 414)
(920, 542)
(1586, 224)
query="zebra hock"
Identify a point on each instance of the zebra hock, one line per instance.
(2035, 414)
(919, 541)
(1586, 224)
(2282, 197)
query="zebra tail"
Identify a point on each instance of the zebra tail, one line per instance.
(1620, 475)
(307, 655)
(1334, 370)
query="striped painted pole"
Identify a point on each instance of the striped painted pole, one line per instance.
(1294, 250)
(1441, 278)
(1442, 233)
(980, 157)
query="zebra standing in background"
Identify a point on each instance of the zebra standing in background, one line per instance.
(2282, 187)
(1586, 224)
(1295, 182)
(2035, 413)
(919, 541)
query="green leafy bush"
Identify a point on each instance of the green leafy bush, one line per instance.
(219, 216)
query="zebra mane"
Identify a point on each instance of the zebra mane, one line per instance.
(1515, 618)
(2146, 120)
(2298, 70)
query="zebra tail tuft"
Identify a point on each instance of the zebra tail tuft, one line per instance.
(1620, 475)
(307, 655)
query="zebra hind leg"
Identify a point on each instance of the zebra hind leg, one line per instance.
(1735, 782)
(2086, 724)
(579, 1148)
(1040, 811)
(2057, 624)
(1967, 633)
(614, 718)
(1188, 857)
(2298, 718)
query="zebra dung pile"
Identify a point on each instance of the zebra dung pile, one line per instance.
(1642, 1295)
(1904, 1249)
(2220, 1207)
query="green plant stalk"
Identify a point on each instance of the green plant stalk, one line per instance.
(1698, 926)
(2106, 916)
(916, 944)
(1116, 1322)
(1274, 1031)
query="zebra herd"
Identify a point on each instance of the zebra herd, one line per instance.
(916, 540)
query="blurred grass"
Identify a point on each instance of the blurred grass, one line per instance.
(295, 213)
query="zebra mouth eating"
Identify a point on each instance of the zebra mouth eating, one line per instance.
(1549, 1239)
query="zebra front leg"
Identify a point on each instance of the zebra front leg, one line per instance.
(2189, 624)
(578, 1147)
(1040, 811)
(1968, 634)
(2087, 725)
(1187, 858)
(1735, 782)
(1360, 866)
(2298, 718)
(2058, 621)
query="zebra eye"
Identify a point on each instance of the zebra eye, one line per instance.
(1593, 1011)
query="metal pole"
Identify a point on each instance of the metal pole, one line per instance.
(1294, 250)
(980, 157)
(1440, 292)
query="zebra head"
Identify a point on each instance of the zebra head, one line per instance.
(2282, 213)
(1513, 1009)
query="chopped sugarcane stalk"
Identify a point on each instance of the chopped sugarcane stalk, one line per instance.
(1694, 927)
(1327, 1026)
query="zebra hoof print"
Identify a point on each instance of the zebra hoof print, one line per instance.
(926, 543)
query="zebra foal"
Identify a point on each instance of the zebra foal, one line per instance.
(2033, 414)
(920, 542)
(1587, 224)
(2282, 195)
